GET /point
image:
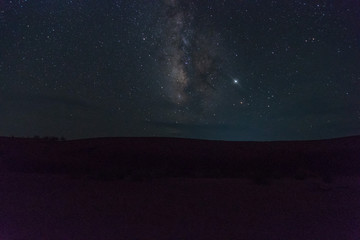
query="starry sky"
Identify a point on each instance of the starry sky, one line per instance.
(258, 70)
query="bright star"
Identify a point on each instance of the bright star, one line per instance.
(236, 81)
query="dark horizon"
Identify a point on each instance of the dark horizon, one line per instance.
(121, 158)
(64, 138)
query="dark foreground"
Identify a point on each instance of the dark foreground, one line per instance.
(57, 207)
(179, 189)
(147, 158)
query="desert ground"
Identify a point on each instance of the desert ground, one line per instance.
(41, 203)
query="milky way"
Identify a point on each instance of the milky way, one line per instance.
(190, 55)
(224, 69)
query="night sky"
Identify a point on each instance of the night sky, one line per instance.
(215, 69)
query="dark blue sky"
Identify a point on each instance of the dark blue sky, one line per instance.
(232, 70)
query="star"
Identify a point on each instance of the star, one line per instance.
(195, 58)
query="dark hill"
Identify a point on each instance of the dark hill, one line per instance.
(109, 158)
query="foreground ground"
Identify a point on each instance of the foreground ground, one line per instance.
(44, 206)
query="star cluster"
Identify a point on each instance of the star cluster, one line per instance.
(232, 70)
